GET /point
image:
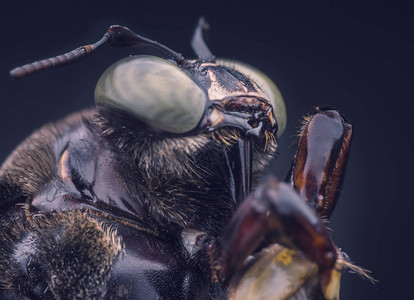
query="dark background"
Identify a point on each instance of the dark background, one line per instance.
(355, 57)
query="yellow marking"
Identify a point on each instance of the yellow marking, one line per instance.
(331, 291)
(63, 170)
(285, 256)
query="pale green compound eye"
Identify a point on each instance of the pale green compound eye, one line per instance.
(153, 91)
(266, 84)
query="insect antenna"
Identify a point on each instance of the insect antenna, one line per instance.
(118, 36)
(199, 45)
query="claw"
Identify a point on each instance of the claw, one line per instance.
(278, 213)
(319, 164)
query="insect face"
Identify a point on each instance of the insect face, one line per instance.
(182, 109)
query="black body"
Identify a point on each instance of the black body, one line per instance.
(151, 263)
(109, 203)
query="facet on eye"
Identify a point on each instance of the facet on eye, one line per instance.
(153, 91)
(266, 84)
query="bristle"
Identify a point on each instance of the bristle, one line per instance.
(344, 263)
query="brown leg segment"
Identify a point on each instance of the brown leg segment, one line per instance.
(320, 161)
(276, 212)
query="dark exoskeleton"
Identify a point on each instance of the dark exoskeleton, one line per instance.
(151, 195)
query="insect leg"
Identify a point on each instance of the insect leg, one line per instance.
(276, 213)
(319, 164)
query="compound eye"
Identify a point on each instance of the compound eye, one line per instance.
(153, 91)
(266, 84)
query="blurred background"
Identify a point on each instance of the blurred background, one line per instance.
(352, 56)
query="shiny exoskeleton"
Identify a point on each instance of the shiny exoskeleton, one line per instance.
(151, 194)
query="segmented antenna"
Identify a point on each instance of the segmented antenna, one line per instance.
(58, 61)
(116, 35)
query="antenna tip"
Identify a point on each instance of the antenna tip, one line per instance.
(18, 73)
(203, 23)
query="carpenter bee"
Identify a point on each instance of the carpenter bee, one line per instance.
(151, 195)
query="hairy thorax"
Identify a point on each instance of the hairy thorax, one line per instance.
(127, 172)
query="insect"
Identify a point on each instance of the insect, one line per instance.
(152, 194)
